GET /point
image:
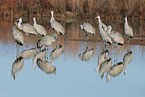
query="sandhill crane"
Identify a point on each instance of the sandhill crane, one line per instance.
(17, 66)
(103, 32)
(17, 36)
(115, 36)
(39, 28)
(56, 25)
(127, 29)
(101, 25)
(115, 70)
(26, 27)
(88, 28)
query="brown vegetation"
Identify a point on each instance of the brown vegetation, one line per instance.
(79, 8)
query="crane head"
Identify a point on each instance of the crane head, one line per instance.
(52, 12)
(20, 19)
(98, 16)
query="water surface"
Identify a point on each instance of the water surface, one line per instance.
(73, 77)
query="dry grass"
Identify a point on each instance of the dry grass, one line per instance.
(81, 8)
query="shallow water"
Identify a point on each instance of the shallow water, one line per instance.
(73, 77)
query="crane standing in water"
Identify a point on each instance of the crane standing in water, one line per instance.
(56, 25)
(88, 28)
(17, 36)
(127, 29)
(39, 28)
(115, 36)
(103, 32)
(26, 27)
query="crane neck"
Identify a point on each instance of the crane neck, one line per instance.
(126, 20)
(109, 31)
(52, 18)
(35, 22)
(20, 25)
(99, 20)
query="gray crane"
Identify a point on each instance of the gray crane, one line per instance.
(127, 29)
(101, 24)
(103, 32)
(56, 25)
(17, 36)
(39, 28)
(115, 36)
(88, 28)
(26, 27)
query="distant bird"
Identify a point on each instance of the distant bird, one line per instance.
(127, 29)
(102, 57)
(46, 40)
(28, 53)
(88, 28)
(39, 28)
(115, 36)
(104, 67)
(17, 36)
(26, 27)
(103, 32)
(114, 71)
(46, 66)
(56, 53)
(56, 25)
(127, 59)
(87, 54)
(41, 54)
(102, 25)
(17, 66)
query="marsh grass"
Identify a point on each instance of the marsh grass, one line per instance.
(81, 8)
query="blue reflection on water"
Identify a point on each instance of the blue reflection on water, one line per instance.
(73, 78)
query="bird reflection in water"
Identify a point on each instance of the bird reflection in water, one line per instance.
(114, 71)
(103, 56)
(17, 66)
(104, 67)
(47, 40)
(28, 53)
(87, 54)
(41, 54)
(126, 60)
(55, 53)
(46, 66)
